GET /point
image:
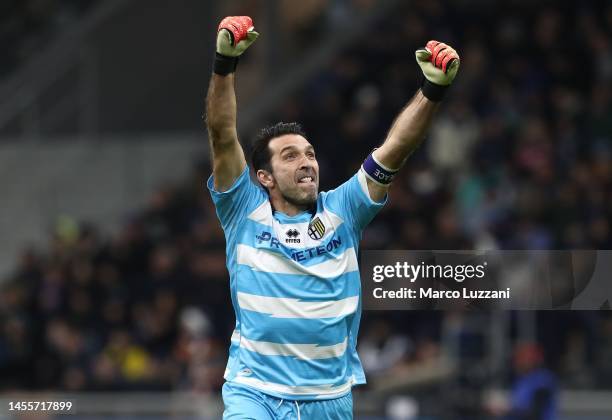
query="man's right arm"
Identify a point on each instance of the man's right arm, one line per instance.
(227, 156)
(235, 34)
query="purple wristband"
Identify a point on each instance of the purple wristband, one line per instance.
(376, 172)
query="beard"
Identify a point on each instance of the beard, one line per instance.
(300, 198)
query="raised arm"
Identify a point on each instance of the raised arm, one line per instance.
(439, 63)
(227, 155)
(234, 36)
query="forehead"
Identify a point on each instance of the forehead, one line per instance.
(288, 141)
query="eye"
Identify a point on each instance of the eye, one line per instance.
(310, 155)
(290, 156)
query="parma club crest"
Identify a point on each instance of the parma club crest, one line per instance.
(316, 229)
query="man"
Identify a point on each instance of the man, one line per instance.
(534, 392)
(292, 251)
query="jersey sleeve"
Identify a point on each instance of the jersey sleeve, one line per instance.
(235, 204)
(352, 202)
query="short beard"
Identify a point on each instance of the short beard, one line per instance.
(306, 202)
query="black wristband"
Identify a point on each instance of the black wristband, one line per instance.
(432, 91)
(224, 65)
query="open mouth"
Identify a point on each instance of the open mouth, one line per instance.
(306, 180)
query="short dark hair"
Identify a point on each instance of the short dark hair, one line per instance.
(260, 154)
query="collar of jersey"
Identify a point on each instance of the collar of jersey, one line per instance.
(304, 216)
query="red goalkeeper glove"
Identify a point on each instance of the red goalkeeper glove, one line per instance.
(439, 63)
(234, 35)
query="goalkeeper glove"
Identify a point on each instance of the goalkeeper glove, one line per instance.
(439, 63)
(234, 35)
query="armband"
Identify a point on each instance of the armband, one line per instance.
(377, 172)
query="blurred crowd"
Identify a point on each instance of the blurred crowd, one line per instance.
(27, 27)
(519, 157)
(147, 309)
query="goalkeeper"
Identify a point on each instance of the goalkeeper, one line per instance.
(292, 251)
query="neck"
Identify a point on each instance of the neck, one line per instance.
(286, 207)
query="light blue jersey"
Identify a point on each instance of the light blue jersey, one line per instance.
(295, 288)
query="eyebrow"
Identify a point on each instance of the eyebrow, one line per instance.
(291, 146)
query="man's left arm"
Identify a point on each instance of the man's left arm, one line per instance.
(439, 63)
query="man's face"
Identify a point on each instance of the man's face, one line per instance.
(295, 169)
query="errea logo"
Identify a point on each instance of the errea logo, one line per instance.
(292, 236)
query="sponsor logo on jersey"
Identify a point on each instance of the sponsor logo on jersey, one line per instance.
(265, 236)
(305, 254)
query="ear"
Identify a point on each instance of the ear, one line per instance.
(265, 178)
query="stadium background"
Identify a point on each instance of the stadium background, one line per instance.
(113, 275)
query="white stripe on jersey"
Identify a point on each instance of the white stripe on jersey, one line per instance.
(235, 336)
(299, 351)
(262, 213)
(295, 308)
(331, 221)
(322, 391)
(273, 263)
(361, 177)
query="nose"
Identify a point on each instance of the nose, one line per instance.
(305, 162)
